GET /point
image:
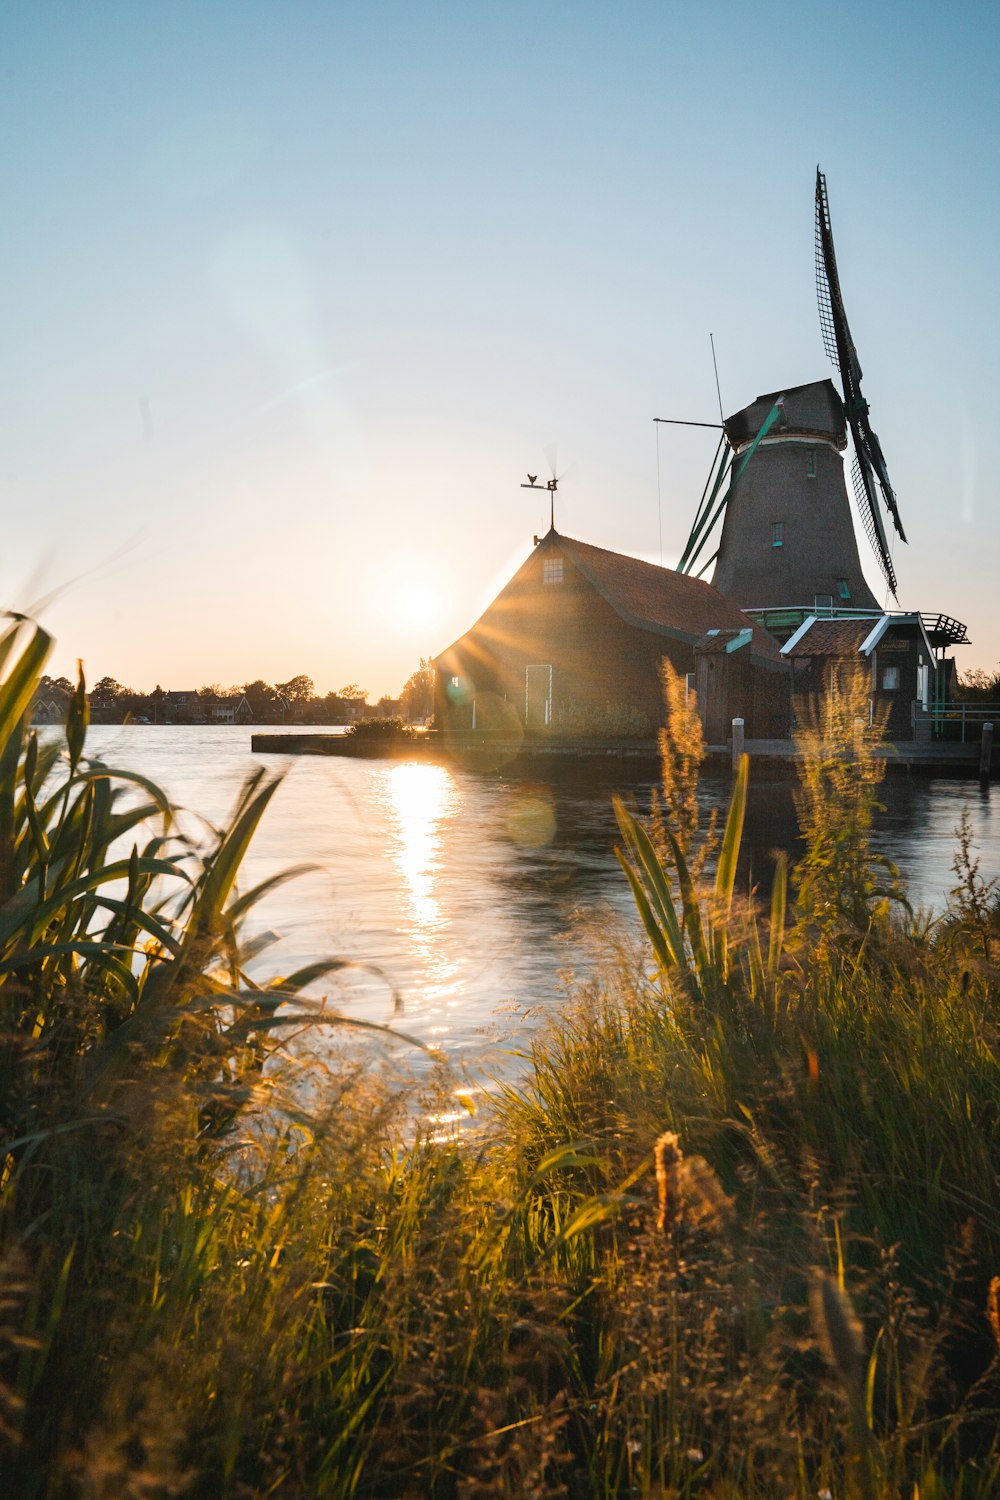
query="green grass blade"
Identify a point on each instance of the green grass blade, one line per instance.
(655, 881)
(17, 689)
(725, 875)
(654, 931)
(779, 902)
(221, 874)
(692, 910)
(242, 904)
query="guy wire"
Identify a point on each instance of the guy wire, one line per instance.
(715, 367)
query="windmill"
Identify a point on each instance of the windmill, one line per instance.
(777, 482)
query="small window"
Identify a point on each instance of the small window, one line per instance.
(890, 679)
(688, 686)
(456, 682)
(552, 570)
(843, 588)
(811, 470)
(777, 534)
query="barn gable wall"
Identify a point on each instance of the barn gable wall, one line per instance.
(593, 629)
(597, 658)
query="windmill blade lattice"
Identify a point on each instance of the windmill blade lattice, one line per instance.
(869, 462)
(864, 497)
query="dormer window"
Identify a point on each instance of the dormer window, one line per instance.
(552, 570)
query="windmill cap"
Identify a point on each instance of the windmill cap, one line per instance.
(813, 410)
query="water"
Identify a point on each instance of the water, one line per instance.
(466, 888)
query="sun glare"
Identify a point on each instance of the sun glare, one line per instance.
(417, 604)
(405, 593)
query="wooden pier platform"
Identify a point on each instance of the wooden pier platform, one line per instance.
(934, 758)
(486, 752)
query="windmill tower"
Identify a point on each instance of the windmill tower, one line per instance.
(787, 543)
(787, 537)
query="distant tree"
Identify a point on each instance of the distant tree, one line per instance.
(387, 708)
(417, 698)
(298, 689)
(215, 690)
(109, 690)
(48, 685)
(261, 697)
(353, 694)
(978, 685)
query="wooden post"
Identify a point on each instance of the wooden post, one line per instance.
(738, 742)
(986, 752)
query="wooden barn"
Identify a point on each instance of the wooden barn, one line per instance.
(572, 646)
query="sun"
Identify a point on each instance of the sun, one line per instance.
(405, 595)
(415, 602)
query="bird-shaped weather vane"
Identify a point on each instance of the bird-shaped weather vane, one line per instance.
(552, 486)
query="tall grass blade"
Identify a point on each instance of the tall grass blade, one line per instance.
(779, 899)
(725, 876)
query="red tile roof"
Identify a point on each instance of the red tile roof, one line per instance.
(833, 638)
(660, 599)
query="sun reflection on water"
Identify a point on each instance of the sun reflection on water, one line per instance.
(421, 798)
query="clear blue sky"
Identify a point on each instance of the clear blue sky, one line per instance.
(294, 293)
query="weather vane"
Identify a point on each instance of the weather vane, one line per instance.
(552, 486)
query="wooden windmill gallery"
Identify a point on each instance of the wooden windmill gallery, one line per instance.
(580, 629)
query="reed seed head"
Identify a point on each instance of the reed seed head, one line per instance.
(668, 1157)
(993, 1309)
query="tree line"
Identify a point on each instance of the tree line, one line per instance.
(294, 701)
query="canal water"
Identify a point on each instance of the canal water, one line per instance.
(478, 895)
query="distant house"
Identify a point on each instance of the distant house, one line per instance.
(215, 709)
(232, 709)
(896, 651)
(182, 706)
(49, 708)
(580, 629)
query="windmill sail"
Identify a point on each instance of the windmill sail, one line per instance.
(869, 462)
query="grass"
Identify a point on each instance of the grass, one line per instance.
(734, 1232)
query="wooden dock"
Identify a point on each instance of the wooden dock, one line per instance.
(934, 758)
(481, 752)
(537, 755)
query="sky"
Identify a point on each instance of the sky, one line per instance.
(294, 294)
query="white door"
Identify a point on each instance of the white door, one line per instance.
(537, 697)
